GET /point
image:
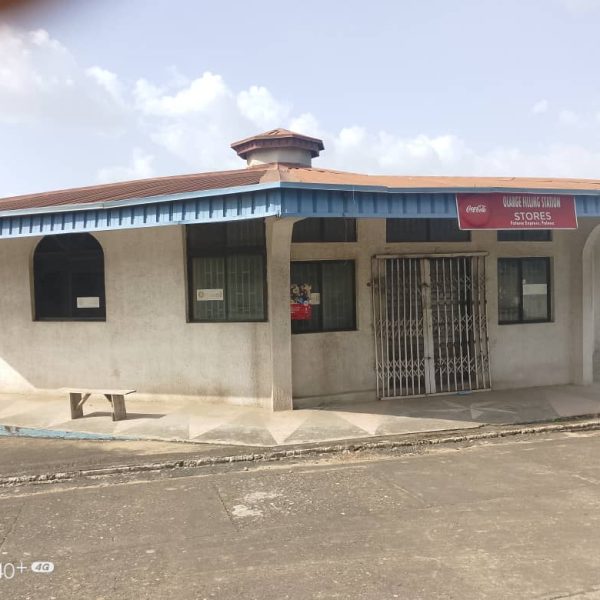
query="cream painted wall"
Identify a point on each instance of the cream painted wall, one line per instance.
(145, 342)
(340, 366)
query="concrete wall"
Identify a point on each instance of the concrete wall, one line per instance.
(340, 366)
(145, 342)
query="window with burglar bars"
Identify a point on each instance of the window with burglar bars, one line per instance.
(332, 295)
(227, 271)
(68, 278)
(524, 290)
(425, 230)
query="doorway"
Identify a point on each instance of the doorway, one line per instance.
(430, 324)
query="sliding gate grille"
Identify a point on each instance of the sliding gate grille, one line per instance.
(430, 325)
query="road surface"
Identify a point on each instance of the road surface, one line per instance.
(516, 518)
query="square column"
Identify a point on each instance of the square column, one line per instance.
(279, 239)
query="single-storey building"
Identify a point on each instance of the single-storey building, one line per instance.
(284, 285)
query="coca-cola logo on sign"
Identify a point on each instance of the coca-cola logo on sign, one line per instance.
(477, 208)
(477, 215)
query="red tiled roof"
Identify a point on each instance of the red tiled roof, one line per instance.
(147, 188)
(408, 182)
(141, 188)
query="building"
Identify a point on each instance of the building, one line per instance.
(187, 285)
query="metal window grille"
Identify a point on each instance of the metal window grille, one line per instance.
(227, 259)
(430, 324)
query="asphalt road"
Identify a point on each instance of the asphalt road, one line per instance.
(515, 518)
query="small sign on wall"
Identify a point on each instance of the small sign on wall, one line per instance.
(535, 289)
(88, 302)
(209, 295)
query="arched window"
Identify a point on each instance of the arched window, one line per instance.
(68, 276)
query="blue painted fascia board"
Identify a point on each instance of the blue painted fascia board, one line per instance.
(273, 199)
(106, 204)
(278, 185)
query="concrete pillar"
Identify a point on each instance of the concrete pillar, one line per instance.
(584, 329)
(279, 239)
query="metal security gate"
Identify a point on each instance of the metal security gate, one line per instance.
(430, 324)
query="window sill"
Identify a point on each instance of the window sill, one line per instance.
(325, 331)
(227, 322)
(525, 322)
(70, 320)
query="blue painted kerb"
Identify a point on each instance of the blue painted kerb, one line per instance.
(32, 432)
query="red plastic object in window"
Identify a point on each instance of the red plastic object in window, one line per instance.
(301, 312)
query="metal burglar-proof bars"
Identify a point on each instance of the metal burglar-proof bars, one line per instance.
(430, 325)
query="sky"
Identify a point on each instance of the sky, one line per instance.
(95, 92)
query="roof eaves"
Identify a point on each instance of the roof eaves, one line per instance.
(107, 204)
(438, 189)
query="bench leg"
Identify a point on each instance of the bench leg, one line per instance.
(118, 406)
(76, 406)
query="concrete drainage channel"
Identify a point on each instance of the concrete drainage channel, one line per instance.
(406, 444)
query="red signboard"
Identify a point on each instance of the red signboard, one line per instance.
(516, 211)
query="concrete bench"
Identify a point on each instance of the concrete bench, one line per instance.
(78, 398)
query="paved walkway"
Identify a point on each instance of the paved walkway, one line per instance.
(247, 426)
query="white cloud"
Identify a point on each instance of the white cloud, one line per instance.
(540, 107)
(140, 167)
(108, 80)
(569, 117)
(199, 96)
(187, 124)
(41, 81)
(306, 124)
(581, 6)
(259, 106)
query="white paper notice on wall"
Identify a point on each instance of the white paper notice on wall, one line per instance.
(315, 298)
(206, 295)
(88, 302)
(535, 289)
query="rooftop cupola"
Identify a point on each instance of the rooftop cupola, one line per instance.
(279, 146)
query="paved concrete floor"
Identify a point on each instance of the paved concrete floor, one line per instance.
(503, 520)
(247, 426)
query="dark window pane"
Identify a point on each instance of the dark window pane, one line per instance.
(245, 287)
(205, 236)
(446, 230)
(529, 235)
(208, 282)
(337, 297)
(523, 290)
(332, 294)
(52, 294)
(246, 234)
(324, 229)
(307, 276)
(69, 278)
(339, 230)
(213, 238)
(509, 297)
(425, 230)
(406, 230)
(535, 289)
(307, 230)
